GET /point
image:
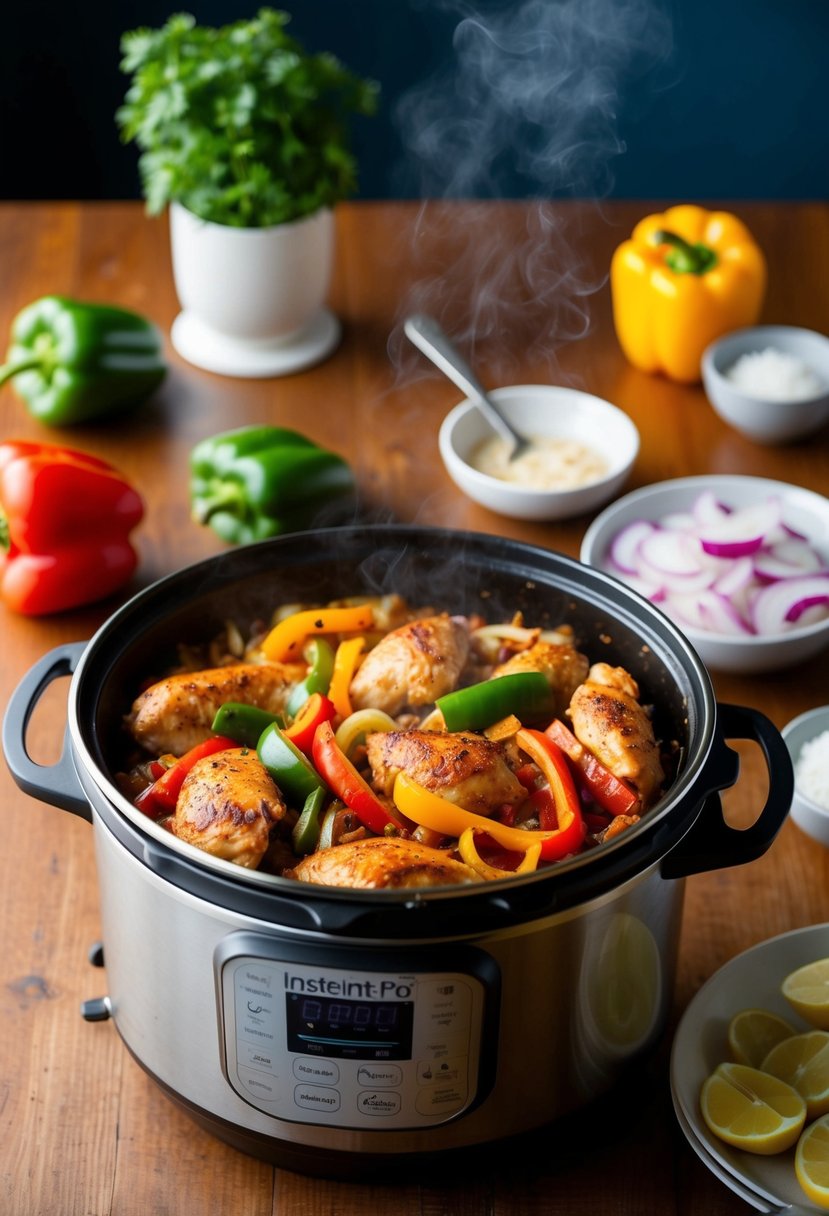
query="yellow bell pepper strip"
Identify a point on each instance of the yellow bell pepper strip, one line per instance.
(286, 640)
(344, 780)
(316, 710)
(345, 664)
(353, 729)
(682, 280)
(160, 798)
(470, 854)
(431, 811)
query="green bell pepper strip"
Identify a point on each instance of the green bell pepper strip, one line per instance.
(294, 775)
(260, 481)
(320, 656)
(526, 694)
(73, 362)
(244, 723)
(306, 833)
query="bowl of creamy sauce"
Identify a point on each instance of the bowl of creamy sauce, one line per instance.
(581, 451)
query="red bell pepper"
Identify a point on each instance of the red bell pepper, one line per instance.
(605, 788)
(65, 519)
(160, 798)
(316, 710)
(558, 806)
(342, 777)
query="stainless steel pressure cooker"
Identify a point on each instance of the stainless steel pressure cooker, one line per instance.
(305, 1025)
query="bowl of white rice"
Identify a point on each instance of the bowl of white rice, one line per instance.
(771, 382)
(807, 739)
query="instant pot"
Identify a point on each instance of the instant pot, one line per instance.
(314, 1027)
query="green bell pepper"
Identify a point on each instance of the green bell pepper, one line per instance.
(321, 659)
(260, 481)
(294, 775)
(243, 723)
(306, 833)
(526, 694)
(73, 362)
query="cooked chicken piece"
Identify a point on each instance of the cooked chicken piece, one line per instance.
(175, 714)
(382, 861)
(227, 806)
(465, 769)
(563, 665)
(412, 665)
(608, 719)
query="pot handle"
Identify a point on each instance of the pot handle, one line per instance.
(711, 844)
(58, 783)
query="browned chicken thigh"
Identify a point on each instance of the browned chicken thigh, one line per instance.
(176, 713)
(227, 806)
(563, 665)
(382, 861)
(412, 665)
(608, 719)
(466, 769)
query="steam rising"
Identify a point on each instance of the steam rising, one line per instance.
(533, 87)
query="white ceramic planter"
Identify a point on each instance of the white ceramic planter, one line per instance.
(253, 298)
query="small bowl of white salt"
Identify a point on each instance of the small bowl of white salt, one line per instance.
(807, 739)
(771, 382)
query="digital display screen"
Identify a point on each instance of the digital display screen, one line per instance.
(358, 1030)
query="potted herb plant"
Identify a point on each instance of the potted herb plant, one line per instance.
(246, 136)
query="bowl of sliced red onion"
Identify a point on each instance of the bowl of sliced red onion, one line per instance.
(739, 564)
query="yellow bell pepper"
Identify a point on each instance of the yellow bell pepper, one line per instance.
(682, 280)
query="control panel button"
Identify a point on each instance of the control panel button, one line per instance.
(316, 1097)
(261, 1084)
(254, 1056)
(318, 1072)
(380, 1103)
(440, 1100)
(379, 1074)
(437, 1072)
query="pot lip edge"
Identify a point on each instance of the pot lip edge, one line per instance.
(322, 215)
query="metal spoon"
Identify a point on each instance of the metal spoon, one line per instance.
(430, 338)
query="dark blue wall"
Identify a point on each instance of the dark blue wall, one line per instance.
(666, 99)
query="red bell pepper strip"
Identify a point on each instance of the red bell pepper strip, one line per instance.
(65, 519)
(558, 807)
(316, 710)
(160, 798)
(344, 780)
(608, 790)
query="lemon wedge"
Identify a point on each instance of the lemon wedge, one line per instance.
(752, 1110)
(753, 1032)
(803, 1062)
(811, 1161)
(807, 991)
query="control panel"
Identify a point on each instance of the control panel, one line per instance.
(353, 1047)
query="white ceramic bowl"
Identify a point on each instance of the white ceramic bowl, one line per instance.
(541, 410)
(808, 815)
(805, 511)
(755, 417)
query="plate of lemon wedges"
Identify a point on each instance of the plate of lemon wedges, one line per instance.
(750, 1073)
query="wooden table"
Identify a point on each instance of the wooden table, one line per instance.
(82, 1129)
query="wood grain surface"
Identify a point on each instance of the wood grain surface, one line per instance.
(83, 1131)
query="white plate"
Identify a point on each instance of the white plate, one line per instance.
(750, 981)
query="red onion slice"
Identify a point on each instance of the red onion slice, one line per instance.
(779, 606)
(742, 532)
(624, 548)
